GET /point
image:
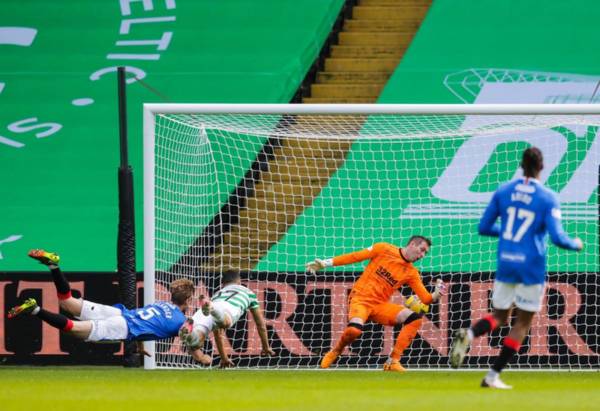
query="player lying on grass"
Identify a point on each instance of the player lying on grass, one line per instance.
(97, 322)
(389, 269)
(528, 211)
(226, 308)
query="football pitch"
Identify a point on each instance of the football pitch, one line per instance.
(112, 388)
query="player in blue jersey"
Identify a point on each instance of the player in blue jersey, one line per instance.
(97, 322)
(528, 212)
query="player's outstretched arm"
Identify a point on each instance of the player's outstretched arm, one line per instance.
(487, 224)
(557, 235)
(141, 349)
(439, 289)
(225, 360)
(261, 327)
(317, 264)
(193, 340)
(424, 296)
(350, 258)
(199, 356)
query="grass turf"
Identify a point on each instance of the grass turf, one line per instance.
(107, 388)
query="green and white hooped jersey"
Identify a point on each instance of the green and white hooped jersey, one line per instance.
(237, 296)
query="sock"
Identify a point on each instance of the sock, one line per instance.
(63, 289)
(491, 375)
(351, 333)
(407, 334)
(485, 325)
(55, 320)
(508, 351)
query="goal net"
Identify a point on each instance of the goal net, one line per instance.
(262, 190)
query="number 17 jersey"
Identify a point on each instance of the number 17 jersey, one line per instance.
(528, 212)
(237, 300)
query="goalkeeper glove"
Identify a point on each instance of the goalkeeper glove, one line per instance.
(413, 303)
(317, 265)
(439, 289)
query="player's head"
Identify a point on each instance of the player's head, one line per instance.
(230, 277)
(416, 248)
(181, 291)
(532, 162)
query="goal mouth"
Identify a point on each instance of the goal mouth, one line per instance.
(263, 189)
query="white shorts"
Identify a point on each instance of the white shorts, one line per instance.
(95, 311)
(206, 323)
(525, 297)
(203, 324)
(234, 312)
(107, 322)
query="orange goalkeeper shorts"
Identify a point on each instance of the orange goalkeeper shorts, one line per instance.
(381, 313)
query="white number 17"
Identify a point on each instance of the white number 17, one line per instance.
(521, 214)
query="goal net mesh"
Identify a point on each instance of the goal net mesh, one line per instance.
(264, 194)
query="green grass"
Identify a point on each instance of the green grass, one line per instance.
(107, 388)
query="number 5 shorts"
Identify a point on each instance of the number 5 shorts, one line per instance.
(107, 322)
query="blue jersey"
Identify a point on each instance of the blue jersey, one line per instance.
(153, 321)
(528, 211)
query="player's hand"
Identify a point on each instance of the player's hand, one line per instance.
(579, 243)
(141, 349)
(315, 266)
(267, 351)
(202, 358)
(439, 289)
(413, 303)
(226, 363)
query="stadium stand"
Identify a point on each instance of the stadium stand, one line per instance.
(371, 43)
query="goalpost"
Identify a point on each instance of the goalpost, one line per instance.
(263, 189)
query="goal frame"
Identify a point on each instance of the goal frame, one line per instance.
(151, 110)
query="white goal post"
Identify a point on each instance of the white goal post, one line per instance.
(261, 189)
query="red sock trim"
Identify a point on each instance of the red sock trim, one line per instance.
(510, 343)
(490, 319)
(64, 296)
(69, 325)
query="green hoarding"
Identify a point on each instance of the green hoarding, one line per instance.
(58, 111)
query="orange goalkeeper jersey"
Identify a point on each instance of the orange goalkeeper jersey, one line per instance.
(387, 271)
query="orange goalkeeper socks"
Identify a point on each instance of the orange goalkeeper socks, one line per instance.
(407, 334)
(350, 334)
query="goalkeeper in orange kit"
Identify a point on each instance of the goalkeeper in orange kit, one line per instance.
(390, 268)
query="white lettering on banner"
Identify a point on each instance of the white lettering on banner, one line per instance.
(11, 143)
(161, 44)
(126, 9)
(17, 36)
(147, 4)
(584, 180)
(19, 127)
(474, 154)
(118, 56)
(138, 73)
(454, 184)
(127, 23)
(9, 239)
